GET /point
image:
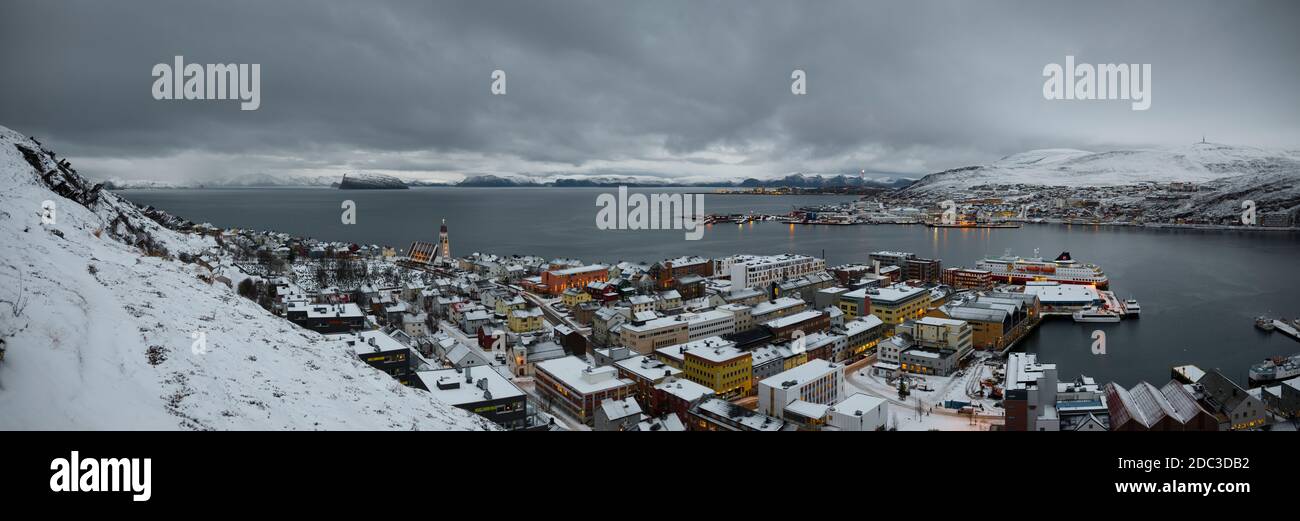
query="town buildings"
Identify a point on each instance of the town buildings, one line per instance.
(997, 319)
(802, 323)
(647, 372)
(676, 395)
(644, 337)
(326, 318)
(555, 282)
(720, 366)
(578, 388)
(380, 351)
(758, 271)
(858, 412)
(1148, 408)
(481, 391)
(817, 382)
(1036, 401)
(618, 415)
(892, 304)
(715, 414)
(967, 278)
(1233, 407)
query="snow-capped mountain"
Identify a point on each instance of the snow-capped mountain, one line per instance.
(1197, 163)
(100, 325)
(801, 180)
(258, 180)
(371, 181)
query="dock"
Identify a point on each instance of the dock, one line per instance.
(1188, 374)
(1287, 329)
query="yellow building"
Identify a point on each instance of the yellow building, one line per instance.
(525, 320)
(725, 369)
(893, 305)
(574, 296)
(505, 306)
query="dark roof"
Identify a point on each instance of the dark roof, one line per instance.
(1222, 392)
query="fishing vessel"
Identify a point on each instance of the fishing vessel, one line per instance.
(1065, 270)
(1264, 323)
(1275, 369)
(1095, 315)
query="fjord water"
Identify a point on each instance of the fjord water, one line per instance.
(1200, 290)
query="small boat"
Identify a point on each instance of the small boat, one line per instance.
(1095, 315)
(1264, 323)
(1132, 308)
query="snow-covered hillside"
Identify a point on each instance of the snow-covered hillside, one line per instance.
(99, 334)
(1197, 163)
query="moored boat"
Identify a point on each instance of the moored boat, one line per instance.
(1132, 308)
(1264, 323)
(1275, 369)
(1064, 269)
(1095, 315)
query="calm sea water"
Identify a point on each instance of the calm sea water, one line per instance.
(1200, 290)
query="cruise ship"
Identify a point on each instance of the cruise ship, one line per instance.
(1065, 270)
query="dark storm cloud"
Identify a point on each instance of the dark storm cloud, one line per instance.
(680, 89)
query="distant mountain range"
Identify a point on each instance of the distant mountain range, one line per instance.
(488, 180)
(793, 180)
(1197, 163)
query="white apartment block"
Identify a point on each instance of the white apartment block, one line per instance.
(710, 323)
(758, 271)
(817, 381)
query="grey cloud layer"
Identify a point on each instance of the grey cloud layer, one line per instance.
(680, 89)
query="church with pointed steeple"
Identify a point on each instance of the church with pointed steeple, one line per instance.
(426, 252)
(444, 244)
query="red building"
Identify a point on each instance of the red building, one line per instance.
(964, 278)
(554, 282)
(676, 395)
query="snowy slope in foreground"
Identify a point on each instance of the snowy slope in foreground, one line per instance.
(1198, 163)
(104, 337)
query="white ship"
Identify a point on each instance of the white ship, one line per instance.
(1065, 270)
(1275, 369)
(1095, 315)
(1132, 308)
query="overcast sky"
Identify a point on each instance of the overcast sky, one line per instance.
(693, 89)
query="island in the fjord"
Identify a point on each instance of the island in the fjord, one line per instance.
(365, 181)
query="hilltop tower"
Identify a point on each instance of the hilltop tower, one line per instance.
(444, 245)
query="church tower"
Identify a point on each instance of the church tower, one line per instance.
(444, 245)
